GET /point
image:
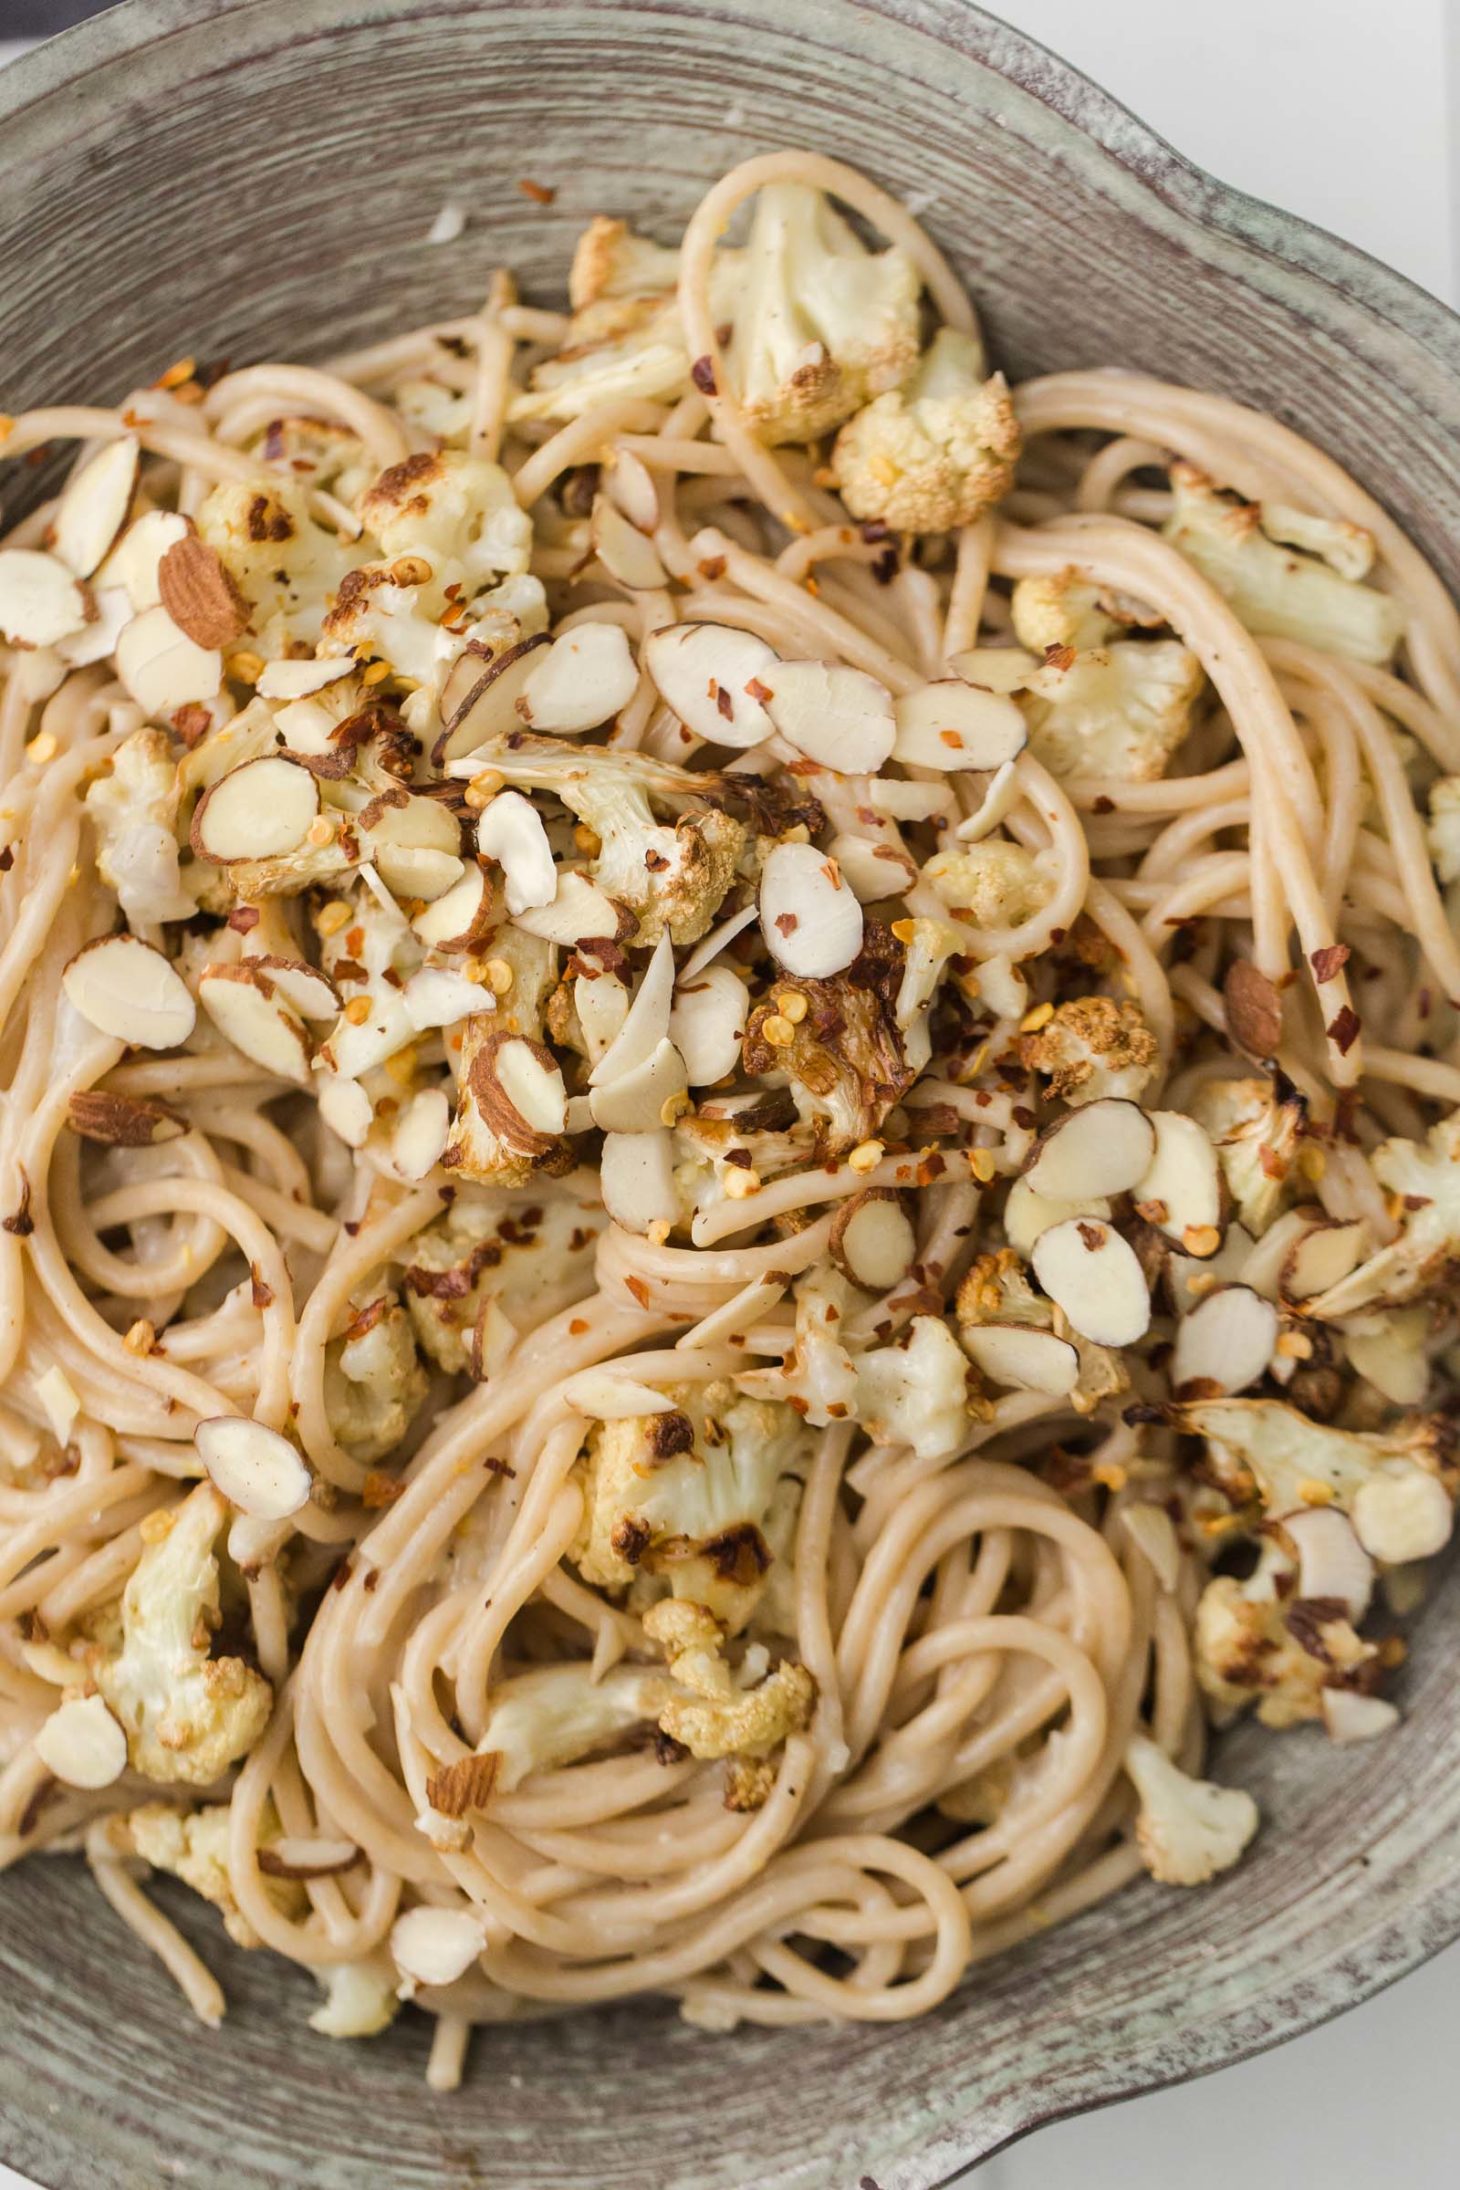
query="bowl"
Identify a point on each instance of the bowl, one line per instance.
(247, 178)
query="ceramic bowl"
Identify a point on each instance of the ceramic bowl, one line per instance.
(256, 179)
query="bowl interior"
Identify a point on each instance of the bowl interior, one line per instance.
(257, 180)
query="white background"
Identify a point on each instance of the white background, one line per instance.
(1347, 111)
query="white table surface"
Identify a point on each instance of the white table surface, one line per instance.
(1342, 110)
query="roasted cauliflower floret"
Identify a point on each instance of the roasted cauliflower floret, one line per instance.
(1256, 1128)
(1187, 1829)
(992, 883)
(286, 566)
(1091, 1048)
(618, 346)
(1060, 610)
(373, 1381)
(847, 1063)
(709, 1710)
(511, 1098)
(535, 1254)
(683, 1497)
(1118, 711)
(187, 1715)
(1278, 1654)
(558, 1714)
(134, 812)
(360, 1998)
(996, 1290)
(1423, 1177)
(193, 1846)
(1274, 588)
(915, 1390)
(613, 260)
(934, 454)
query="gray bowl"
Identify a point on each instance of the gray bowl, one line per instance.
(248, 178)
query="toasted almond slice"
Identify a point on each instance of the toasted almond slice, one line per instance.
(707, 1024)
(951, 724)
(493, 1340)
(489, 709)
(97, 641)
(1254, 1009)
(1350, 1716)
(625, 553)
(301, 1856)
(262, 810)
(646, 1023)
(162, 668)
(122, 1121)
(415, 871)
(872, 1239)
(461, 679)
(610, 1397)
(1000, 798)
(1331, 1560)
(300, 680)
(1103, 1148)
(714, 677)
(440, 996)
(346, 1110)
(871, 870)
(903, 801)
(40, 600)
(602, 1007)
(1027, 1214)
(256, 1469)
(1402, 1514)
(809, 917)
(1320, 1256)
(199, 594)
(532, 1084)
(134, 562)
(1389, 1352)
(578, 910)
(1181, 1191)
(1264, 1262)
(724, 932)
(421, 1133)
(436, 1946)
(635, 1101)
(93, 506)
(1153, 1532)
(128, 990)
(636, 1177)
(1022, 1357)
(994, 668)
(629, 485)
(252, 1013)
(1090, 1272)
(1224, 1344)
(312, 993)
(839, 717)
(510, 831)
(82, 1744)
(585, 677)
(461, 918)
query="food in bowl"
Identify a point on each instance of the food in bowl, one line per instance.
(729, 1134)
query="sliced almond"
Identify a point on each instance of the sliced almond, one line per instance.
(995, 668)
(41, 601)
(1022, 1357)
(1091, 1273)
(510, 831)
(1389, 1352)
(436, 1946)
(1331, 1560)
(810, 918)
(421, 1133)
(1320, 1256)
(1402, 1513)
(629, 485)
(346, 1110)
(1263, 1265)
(585, 677)
(306, 1856)
(838, 717)
(130, 991)
(602, 1006)
(441, 996)
(252, 1014)
(489, 709)
(1105, 1147)
(898, 800)
(578, 911)
(532, 1082)
(93, 506)
(199, 594)
(122, 1121)
(636, 1177)
(1181, 1191)
(951, 724)
(872, 870)
(312, 993)
(707, 1023)
(1224, 1344)
(263, 810)
(872, 1239)
(415, 871)
(493, 1340)
(163, 668)
(301, 680)
(635, 1101)
(462, 678)
(1254, 1009)
(625, 553)
(97, 641)
(607, 1396)
(461, 918)
(134, 562)
(715, 678)
(723, 933)
(256, 1469)
(1350, 1716)
(82, 1744)
(646, 1023)
(1027, 1214)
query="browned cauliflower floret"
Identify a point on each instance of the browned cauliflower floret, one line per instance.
(1118, 711)
(187, 1715)
(1187, 1829)
(847, 1061)
(134, 811)
(1280, 1655)
(535, 1253)
(556, 1714)
(995, 1295)
(373, 1381)
(932, 455)
(717, 1717)
(1092, 1047)
(193, 1846)
(511, 1101)
(287, 567)
(683, 1497)
(1423, 1179)
(991, 883)
(1256, 1128)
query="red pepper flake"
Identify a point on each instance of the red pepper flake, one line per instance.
(711, 568)
(1092, 1238)
(22, 1224)
(7, 860)
(243, 919)
(1343, 1030)
(1102, 805)
(191, 723)
(540, 193)
(787, 923)
(758, 691)
(1057, 935)
(342, 1573)
(1330, 961)
(639, 1290)
(578, 1326)
(724, 703)
(702, 373)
